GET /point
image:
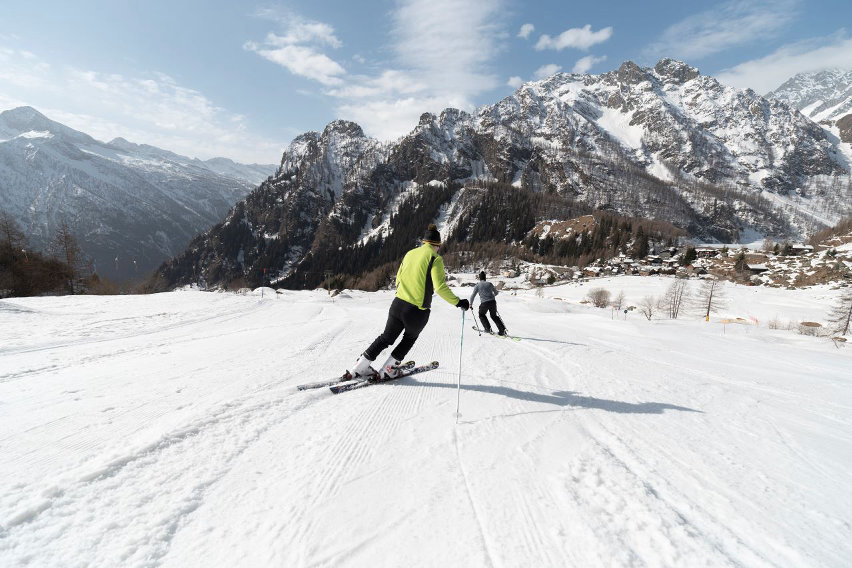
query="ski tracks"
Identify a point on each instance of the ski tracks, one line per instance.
(147, 493)
(371, 416)
(128, 510)
(472, 502)
(602, 499)
(625, 504)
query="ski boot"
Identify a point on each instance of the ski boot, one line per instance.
(363, 370)
(390, 370)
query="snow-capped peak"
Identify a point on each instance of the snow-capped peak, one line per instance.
(820, 95)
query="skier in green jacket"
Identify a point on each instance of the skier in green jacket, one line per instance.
(419, 276)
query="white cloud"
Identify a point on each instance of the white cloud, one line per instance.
(302, 60)
(546, 70)
(768, 73)
(515, 82)
(19, 69)
(297, 49)
(526, 30)
(307, 32)
(726, 25)
(389, 82)
(443, 51)
(153, 109)
(299, 30)
(579, 38)
(585, 63)
(443, 55)
(448, 42)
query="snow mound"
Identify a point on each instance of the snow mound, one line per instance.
(264, 291)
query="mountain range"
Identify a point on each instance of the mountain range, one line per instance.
(662, 143)
(130, 206)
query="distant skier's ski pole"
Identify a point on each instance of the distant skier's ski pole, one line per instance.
(476, 325)
(458, 385)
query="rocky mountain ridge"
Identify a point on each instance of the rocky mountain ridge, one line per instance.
(662, 143)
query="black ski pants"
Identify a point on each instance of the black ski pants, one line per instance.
(490, 307)
(401, 316)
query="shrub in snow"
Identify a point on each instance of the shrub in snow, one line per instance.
(599, 297)
(648, 306)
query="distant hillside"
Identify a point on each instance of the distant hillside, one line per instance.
(130, 206)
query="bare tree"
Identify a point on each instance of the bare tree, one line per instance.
(618, 302)
(674, 298)
(841, 314)
(710, 297)
(599, 297)
(64, 248)
(648, 306)
(12, 237)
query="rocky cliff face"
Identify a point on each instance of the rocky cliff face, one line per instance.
(663, 142)
(130, 206)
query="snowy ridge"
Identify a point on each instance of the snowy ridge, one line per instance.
(673, 114)
(822, 96)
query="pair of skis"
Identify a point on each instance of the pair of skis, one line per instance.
(512, 337)
(348, 382)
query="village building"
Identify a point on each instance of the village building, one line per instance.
(798, 249)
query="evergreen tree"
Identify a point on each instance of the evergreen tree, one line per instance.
(640, 246)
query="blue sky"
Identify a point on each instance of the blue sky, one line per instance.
(242, 79)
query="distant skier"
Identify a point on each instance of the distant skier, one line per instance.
(487, 304)
(419, 276)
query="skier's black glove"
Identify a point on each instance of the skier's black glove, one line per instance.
(463, 304)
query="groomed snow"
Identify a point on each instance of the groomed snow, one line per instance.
(166, 430)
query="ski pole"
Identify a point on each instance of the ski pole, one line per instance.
(458, 384)
(475, 324)
(505, 327)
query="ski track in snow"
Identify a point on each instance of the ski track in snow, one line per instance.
(155, 474)
(182, 441)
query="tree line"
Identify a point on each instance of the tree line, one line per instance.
(62, 269)
(496, 224)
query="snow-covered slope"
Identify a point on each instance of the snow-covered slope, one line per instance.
(130, 206)
(166, 430)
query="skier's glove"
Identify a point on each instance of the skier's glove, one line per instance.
(463, 304)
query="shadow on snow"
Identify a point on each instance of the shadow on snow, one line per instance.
(565, 398)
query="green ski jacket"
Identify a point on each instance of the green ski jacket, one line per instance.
(420, 275)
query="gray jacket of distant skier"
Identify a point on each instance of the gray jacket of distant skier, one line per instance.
(486, 290)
